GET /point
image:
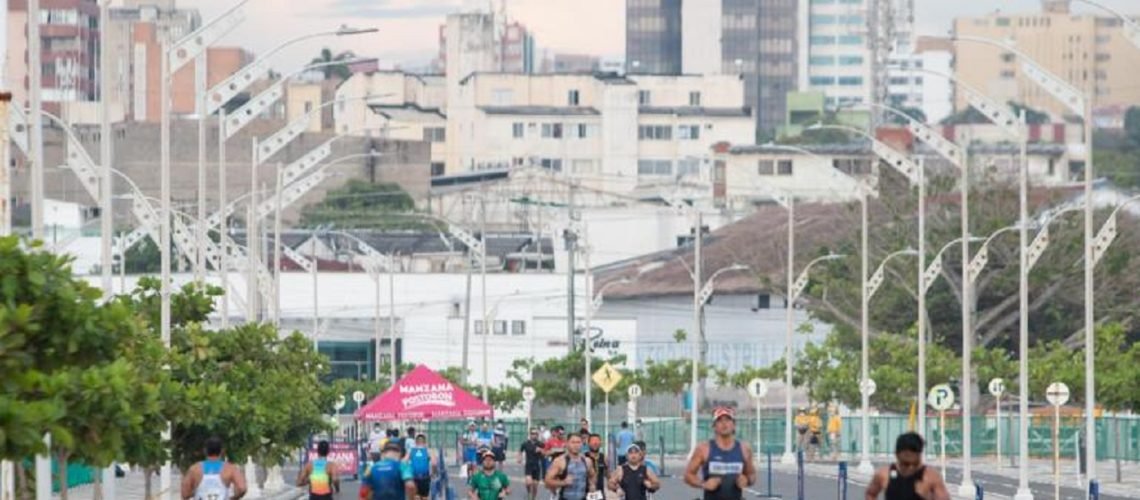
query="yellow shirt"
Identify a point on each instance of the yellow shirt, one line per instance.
(834, 424)
(801, 421)
(815, 424)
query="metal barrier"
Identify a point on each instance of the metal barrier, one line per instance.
(1094, 490)
(800, 475)
(842, 480)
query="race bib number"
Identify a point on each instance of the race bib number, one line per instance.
(595, 495)
(726, 468)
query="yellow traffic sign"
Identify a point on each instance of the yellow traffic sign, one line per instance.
(607, 377)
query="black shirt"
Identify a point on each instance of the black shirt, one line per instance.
(633, 482)
(902, 488)
(601, 467)
(532, 448)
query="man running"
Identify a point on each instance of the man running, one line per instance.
(489, 483)
(722, 467)
(485, 438)
(571, 475)
(530, 454)
(596, 454)
(908, 478)
(499, 443)
(470, 447)
(423, 463)
(584, 427)
(390, 478)
(555, 446)
(319, 475)
(632, 479)
(625, 439)
(213, 478)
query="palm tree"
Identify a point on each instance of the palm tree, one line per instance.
(340, 71)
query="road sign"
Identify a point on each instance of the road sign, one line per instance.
(757, 388)
(1057, 393)
(941, 397)
(358, 396)
(607, 377)
(334, 421)
(997, 387)
(528, 394)
(634, 391)
(868, 387)
(340, 402)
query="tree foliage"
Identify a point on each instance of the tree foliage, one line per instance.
(338, 71)
(360, 204)
(1132, 125)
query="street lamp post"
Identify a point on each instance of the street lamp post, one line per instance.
(1080, 103)
(702, 295)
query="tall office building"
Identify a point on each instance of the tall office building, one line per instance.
(653, 36)
(1090, 52)
(838, 61)
(752, 38)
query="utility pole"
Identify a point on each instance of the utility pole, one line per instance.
(571, 238)
(36, 135)
(106, 212)
(694, 407)
(487, 327)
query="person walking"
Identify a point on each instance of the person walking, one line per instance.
(531, 456)
(321, 479)
(633, 479)
(834, 431)
(213, 478)
(499, 443)
(625, 439)
(722, 467)
(908, 478)
(470, 442)
(571, 476)
(489, 483)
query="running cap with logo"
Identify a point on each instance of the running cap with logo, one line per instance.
(723, 411)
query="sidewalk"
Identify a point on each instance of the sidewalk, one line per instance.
(133, 486)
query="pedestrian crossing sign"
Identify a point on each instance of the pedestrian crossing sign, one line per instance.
(607, 377)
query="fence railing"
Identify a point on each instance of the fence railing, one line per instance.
(1116, 436)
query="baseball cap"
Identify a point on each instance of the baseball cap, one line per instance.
(723, 411)
(633, 447)
(484, 453)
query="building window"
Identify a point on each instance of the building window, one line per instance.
(822, 60)
(308, 107)
(784, 167)
(500, 327)
(582, 166)
(822, 19)
(581, 131)
(554, 164)
(689, 166)
(478, 327)
(851, 40)
(437, 168)
(655, 132)
(851, 81)
(518, 327)
(765, 167)
(694, 98)
(654, 167)
(435, 134)
(1002, 21)
(819, 81)
(851, 61)
(689, 132)
(1008, 74)
(552, 130)
(572, 98)
(643, 97)
(517, 130)
(822, 40)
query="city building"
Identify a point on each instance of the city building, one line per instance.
(1091, 52)
(559, 62)
(515, 50)
(837, 60)
(910, 86)
(306, 93)
(653, 36)
(750, 174)
(69, 52)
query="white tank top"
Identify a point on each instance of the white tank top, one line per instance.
(212, 487)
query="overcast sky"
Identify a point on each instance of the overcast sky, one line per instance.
(409, 28)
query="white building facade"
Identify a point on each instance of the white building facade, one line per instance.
(837, 61)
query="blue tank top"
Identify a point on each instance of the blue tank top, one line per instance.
(727, 464)
(421, 463)
(577, 489)
(386, 480)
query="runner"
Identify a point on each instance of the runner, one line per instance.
(424, 464)
(409, 441)
(489, 483)
(908, 478)
(543, 432)
(499, 443)
(530, 454)
(213, 478)
(633, 479)
(722, 467)
(625, 439)
(571, 476)
(321, 479)
(485, 438)
(555, 446)
(584, 428)
(801, 422)
(391, 479)
(599, 458)
(470, 446)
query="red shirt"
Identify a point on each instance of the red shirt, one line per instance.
(555, 446)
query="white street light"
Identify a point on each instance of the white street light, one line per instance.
(591, 307)
(373, 265)
(877, 278)
(701, 295)
(1080, 103)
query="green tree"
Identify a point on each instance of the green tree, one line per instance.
(338, 71)
(362, 205)
(1132, 125)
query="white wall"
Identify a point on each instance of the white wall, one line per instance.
(700, 37)
(813, 178)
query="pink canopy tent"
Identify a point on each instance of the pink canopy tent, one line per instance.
(423, 394)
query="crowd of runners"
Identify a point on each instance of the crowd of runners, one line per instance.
(570, 466)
